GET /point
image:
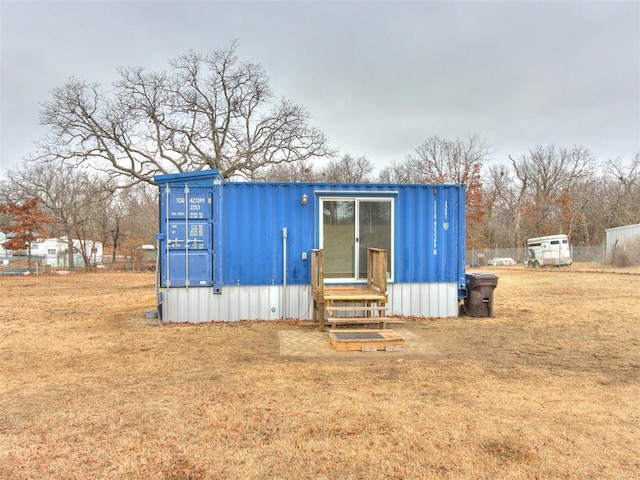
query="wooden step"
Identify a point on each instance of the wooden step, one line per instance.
(381, 321)
(356, 307)
(354, 312)
(363, 320)
(346, 293)
(357, 319)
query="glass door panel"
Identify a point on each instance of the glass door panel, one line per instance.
(338, 242)
(374, 231)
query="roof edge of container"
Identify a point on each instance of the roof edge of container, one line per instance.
(188, 177)
(212, 174)
(339, 185)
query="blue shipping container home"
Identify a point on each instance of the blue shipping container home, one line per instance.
(232, 251)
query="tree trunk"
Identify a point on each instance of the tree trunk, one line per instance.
(70, 252)
(115, 235)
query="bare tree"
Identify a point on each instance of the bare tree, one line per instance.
(623, 191)
(348, 169)
(141, 213)
(459, 161)
(207, 111)
(498, 195)
(67, 194)
(127, 220)
(448, 161)
(302, 171)
(397, 172)
(108, 216)
(550, 182)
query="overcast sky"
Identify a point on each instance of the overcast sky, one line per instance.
(378, 78)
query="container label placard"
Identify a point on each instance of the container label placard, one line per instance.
(196, 204)
(197, 237)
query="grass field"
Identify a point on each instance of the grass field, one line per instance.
(548, 388)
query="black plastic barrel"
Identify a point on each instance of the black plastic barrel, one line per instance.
(479, 300)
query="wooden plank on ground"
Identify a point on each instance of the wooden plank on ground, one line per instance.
(366, 340)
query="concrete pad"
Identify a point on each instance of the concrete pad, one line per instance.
(313, 343)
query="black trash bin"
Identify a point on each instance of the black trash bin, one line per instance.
(479, 300)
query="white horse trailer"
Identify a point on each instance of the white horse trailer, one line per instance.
(552, 250)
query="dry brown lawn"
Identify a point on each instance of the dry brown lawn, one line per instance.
(548, 388)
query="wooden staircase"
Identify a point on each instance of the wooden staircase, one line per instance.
(348, 304)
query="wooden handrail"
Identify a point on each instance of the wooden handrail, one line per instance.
(377, 269)
(317, 270)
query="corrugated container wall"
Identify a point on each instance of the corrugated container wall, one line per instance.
(428, 230)
(252, 221)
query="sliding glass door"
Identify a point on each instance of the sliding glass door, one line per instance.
(349, 226)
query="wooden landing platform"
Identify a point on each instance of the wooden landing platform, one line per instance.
(366, 340)
(353, 294)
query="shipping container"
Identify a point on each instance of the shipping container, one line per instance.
(232, 251)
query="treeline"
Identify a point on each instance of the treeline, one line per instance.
(545, 191)
(93, 171)
(83, 205)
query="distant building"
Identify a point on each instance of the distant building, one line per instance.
(53, 251)
(623, 239)
(3, 253)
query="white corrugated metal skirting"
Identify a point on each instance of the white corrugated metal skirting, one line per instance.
(235, 303)
(423, 299)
